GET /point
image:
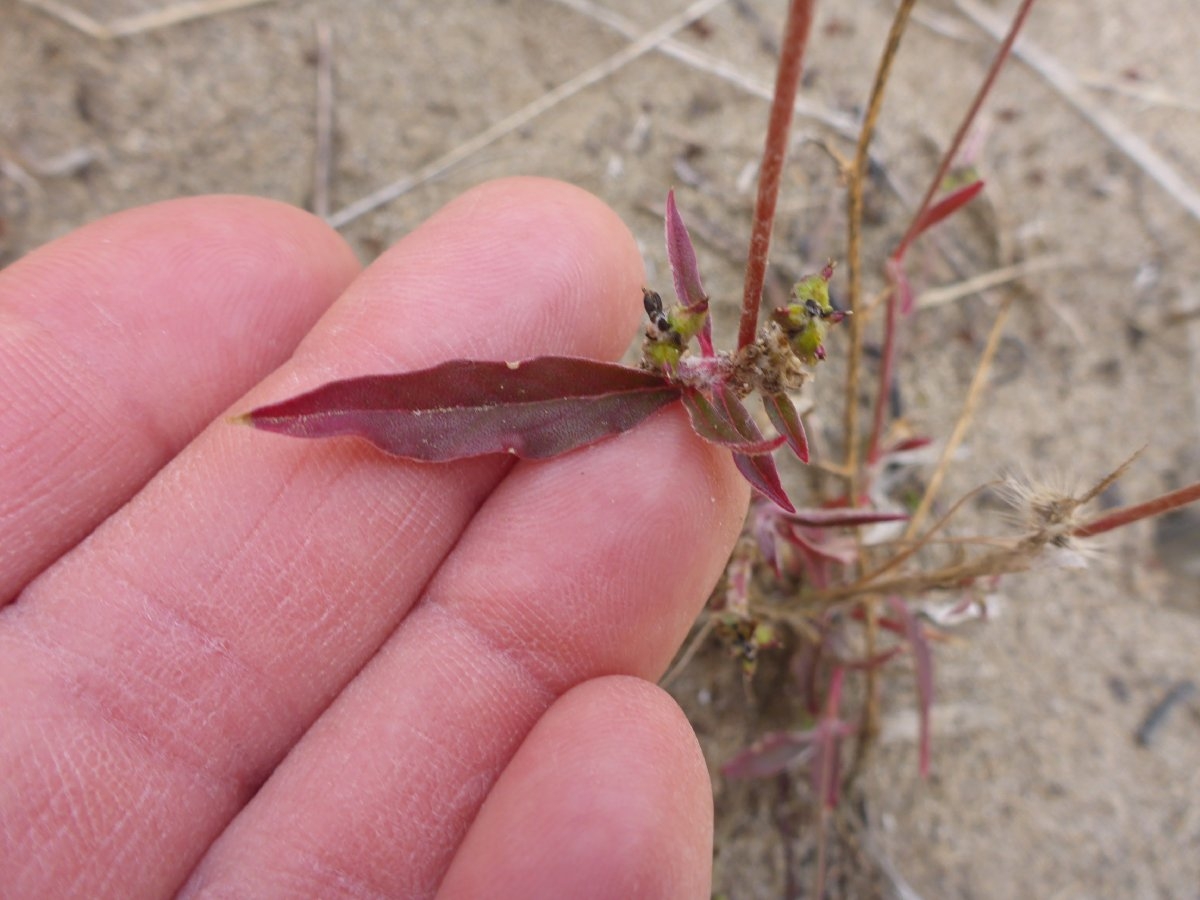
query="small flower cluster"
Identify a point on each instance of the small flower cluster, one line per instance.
(715, 383)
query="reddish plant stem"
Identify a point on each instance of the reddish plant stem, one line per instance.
(787, 79)
(895, 267)
(1127, 515)
(952, 151)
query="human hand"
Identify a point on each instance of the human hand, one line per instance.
(254, 666)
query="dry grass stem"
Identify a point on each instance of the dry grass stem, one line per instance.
(1070, 89)
(960, 290)
(1003, 561)
(141, 23)
(1148, 94)
(970, 404)
(857, 178)
(1110, 479)
(640, 47)
(866, 582)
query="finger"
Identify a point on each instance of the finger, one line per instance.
(121, 341)
(608, 796)
(591, 564)
(168, 663)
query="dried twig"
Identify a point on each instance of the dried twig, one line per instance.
(1068, 87)
(1149, 94)
(323, 158)
(647, 42)
(141, 23)
(857, 185)
(964, 418)
(855, 190)
(988, 280)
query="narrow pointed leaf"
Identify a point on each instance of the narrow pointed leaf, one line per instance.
(534, 409)
(769, 755)
(840, 551)
(947, 206)
(759, 470)
(762, 475)
(912, 443)
(685, 271)
(682, 256)
(714, 425)
(782, 413)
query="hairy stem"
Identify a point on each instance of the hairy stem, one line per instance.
(787, 79)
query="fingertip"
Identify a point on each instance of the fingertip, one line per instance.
(608, 796)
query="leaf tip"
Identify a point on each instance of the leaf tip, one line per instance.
(242, 419)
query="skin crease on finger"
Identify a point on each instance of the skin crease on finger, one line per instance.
(170, 661)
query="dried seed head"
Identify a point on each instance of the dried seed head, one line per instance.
(1048, 516)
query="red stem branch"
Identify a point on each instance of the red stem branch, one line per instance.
(1127, 515)
(787, 79)
(952, 151)
(895, 262)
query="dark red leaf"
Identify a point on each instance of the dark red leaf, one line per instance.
(714, 425)
(770, 755)
(842, 552)
(533, 409)
(786, 420)
(686, 271)
(912, 443)
(759, 470)
(947, 206)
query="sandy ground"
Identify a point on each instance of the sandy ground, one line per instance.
(1039, 788)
